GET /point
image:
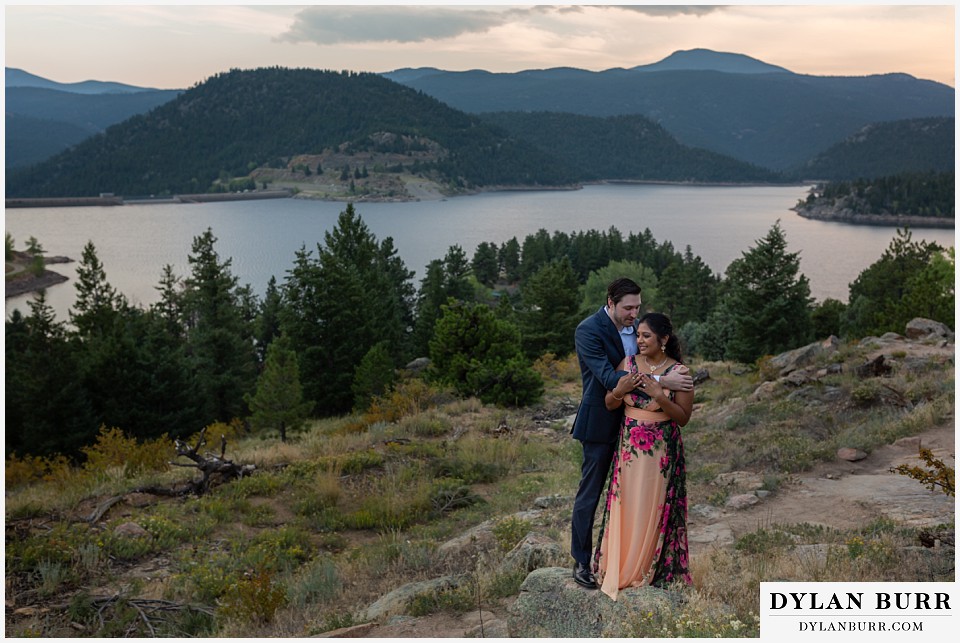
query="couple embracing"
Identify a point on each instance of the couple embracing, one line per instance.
(636, 396)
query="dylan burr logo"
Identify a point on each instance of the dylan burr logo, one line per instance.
(850, 609)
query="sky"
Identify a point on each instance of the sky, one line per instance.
(175, 46)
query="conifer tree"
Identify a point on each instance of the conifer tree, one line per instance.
(218, 345)
(485, 264)
(278, 401)
(768, 300)
(551, 300)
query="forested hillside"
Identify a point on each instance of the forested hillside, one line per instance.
(237, 121)
(884, 149)
(929, 194)
(623, 147)
(43, 121)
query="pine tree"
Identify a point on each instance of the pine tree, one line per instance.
(278, 402)
(768, 300)
(878, 295)
(97, 302)
(218, 346)
(551, 300)
(485, 264)
(509, 256)
(355, 294)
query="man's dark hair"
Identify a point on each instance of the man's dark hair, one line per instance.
(620, 288)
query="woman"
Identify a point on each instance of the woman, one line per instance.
(643, 536)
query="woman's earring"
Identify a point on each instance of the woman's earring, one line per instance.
(663, 348)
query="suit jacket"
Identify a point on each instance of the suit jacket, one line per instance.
(599, 352)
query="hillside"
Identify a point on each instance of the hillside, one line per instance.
(238, 121)
(43, 121)
(623, 148)
(883, 149)
(410, 527)
(774, 120)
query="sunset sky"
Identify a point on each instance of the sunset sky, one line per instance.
(175, 46)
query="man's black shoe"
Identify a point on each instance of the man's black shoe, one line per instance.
(583, 576)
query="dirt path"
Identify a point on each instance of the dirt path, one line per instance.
(842, 494)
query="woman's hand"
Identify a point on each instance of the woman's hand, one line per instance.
(651, 386)
(626, 384)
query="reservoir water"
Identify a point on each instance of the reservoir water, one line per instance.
(134, 242)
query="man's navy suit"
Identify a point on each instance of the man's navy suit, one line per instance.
(599, 351)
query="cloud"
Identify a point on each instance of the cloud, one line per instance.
(669, 10)
(326, 25)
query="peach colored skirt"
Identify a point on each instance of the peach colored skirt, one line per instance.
(635, 526)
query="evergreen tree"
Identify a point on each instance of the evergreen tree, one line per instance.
(355, 294)
(827, 318)
(509, 257)
(267, 324)
(97, 303)
(47, 410)
(536, 251)
(485, 264)
(931, 292)
(278, 402)
(479, 354)
(551, 299)
(457, 273)
(878, 294)
(688, 289)
(432, 295)
(768, 300)
(218, 338)
(374, 376)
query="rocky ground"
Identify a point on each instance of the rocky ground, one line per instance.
(842, 494)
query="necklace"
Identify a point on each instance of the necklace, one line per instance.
(653, 369)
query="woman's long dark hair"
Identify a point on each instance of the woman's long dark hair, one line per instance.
(661, 327)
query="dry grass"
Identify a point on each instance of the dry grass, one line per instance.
(349, 509)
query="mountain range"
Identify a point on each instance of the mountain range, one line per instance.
(695, 115)
(726, 103)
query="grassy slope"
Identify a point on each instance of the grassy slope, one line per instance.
(352, 508)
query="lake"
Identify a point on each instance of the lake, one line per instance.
(134, 242)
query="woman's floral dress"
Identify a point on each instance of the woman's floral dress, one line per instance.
(643, 535)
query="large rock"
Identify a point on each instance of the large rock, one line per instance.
(398, 601)
(533, 552)
(797, 358)
(551, 605)
(920, 328)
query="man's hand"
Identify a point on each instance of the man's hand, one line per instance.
(677, 379)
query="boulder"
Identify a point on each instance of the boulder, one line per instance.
(551, 605)
(556, 500)
(131, 530)
(920, 328)
(850, 454)
(877, 367)
(492, 629)
(398, 601)
(764, 392)
(742, 501)
(743, 480)
(418, 365)
(533, 552)
(797, 358)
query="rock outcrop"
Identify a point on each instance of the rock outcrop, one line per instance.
(551, 605)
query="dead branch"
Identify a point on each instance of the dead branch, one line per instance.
(213, 468)
(102, 508)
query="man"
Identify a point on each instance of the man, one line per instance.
(603, 340)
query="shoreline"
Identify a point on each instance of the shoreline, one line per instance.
(417, 191)
(898, 220)
(27, 283)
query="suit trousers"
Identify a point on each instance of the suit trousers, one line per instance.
(597, 457)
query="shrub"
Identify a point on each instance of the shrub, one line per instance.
(253, 598)
(20, 471)
(114, 449)
(509, 531)
(408, 397)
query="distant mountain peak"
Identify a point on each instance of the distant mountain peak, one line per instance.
(709, 60)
